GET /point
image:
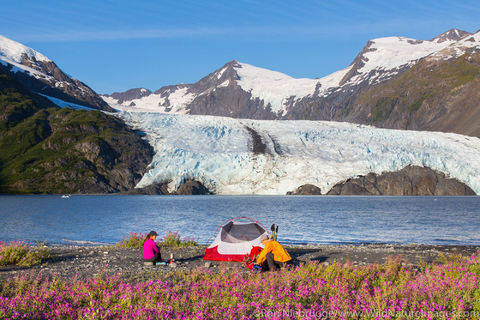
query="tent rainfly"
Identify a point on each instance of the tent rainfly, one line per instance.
(235, 239)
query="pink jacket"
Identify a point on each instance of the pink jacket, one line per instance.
(150, 248)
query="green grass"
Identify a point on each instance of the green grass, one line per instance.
(382, 109)
(22, 254)
(171, 239)
(133, 240)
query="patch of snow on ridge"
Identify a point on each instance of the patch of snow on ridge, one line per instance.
(217, 152)
(65, 104)
(220, 73)
(224, 84)
(272, 87)
(17, 67)
(179, 99)
(275, 88)
(394, 52)
(14, 51)
(150, 103)
(459, 48)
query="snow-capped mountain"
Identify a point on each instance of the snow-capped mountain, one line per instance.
(41, 75)
(467, 44)
(241, 156)
(241, 90)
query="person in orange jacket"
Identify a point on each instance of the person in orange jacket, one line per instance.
(273, 255)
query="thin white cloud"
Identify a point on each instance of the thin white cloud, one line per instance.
(256, 32)
(120, 35)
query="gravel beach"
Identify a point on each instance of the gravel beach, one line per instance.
(68, 262)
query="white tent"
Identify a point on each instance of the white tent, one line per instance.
(235, 239)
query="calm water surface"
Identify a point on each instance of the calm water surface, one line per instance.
(323, 219)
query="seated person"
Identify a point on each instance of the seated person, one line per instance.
(273, 255)
(151, 252)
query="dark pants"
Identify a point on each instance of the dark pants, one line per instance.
(157, 258)
(270, 264)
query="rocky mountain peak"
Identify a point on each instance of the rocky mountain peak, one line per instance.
(222, 77)
(358, 62)
(228, 71)
(451, 35)
(40, 74)
(135, 93)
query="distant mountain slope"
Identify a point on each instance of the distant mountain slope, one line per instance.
(41, 75)
(240, 90)
(45, 149)
(435, 94)
(241, 156)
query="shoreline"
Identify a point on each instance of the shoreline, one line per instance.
(84, 262)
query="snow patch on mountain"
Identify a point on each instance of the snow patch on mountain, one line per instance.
(177, 103)
(394, 52)
(218, 152)
(179, 99)
(457, 49)
(17, 67)
(275, 88)
(150, 103)
(15, 51)
(272, 87)
(65, 104)
(221, 72)
(224, 84)
(382, 58)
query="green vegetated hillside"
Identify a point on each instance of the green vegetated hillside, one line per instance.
(434, 95)
(45, 149)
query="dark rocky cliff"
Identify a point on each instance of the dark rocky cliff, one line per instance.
(410, 181)
(306, 190)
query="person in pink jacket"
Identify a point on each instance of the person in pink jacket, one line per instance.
(151, 252)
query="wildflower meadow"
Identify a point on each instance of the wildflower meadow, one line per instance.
(21, 253)
(393, 290)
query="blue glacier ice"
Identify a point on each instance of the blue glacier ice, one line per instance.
(217, 151)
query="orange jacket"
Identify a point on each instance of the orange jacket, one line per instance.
(279, 253)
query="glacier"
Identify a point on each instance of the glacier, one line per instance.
(218, 152)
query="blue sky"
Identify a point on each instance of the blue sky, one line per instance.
(114, 45)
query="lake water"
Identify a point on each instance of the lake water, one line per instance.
(323, 219)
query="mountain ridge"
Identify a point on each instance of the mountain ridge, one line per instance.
(41, 75)
(241, 90)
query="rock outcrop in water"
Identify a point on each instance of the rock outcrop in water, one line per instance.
(410, 181)
(306, 190)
